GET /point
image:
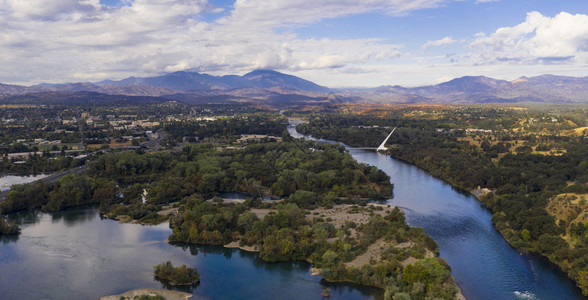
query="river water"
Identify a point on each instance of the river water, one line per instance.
(484, 265)
(77, 255)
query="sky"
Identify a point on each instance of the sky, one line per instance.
(335, 43)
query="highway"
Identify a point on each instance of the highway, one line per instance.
(54, 178)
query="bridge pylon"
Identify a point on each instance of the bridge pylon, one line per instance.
(382, 146)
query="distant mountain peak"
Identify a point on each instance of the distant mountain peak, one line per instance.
(275, 87)
(263, 72)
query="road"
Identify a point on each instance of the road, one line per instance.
(53, 178)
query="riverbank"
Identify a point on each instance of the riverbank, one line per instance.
(356, 241)
(167, 294)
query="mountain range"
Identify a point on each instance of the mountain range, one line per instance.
(278, 89)
(480, 89)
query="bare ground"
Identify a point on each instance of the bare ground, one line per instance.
(235, 244)
(341, 214)
(169, 295)
(373, 251)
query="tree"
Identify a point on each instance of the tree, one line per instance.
(176, 276)
(526, 235)
(7, 228)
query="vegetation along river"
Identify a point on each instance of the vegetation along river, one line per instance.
(484, 265)
(75, 254)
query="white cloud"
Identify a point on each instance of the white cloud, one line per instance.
(538, 40)
(69, 40)
(293, 12)
(444, 41)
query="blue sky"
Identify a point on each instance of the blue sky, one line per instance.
(336, 43)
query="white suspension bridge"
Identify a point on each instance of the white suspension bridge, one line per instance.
(382, 146)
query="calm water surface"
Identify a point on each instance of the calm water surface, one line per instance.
(483, 263)
(8, 180)
(77, 255)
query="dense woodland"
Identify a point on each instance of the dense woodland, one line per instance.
(524, 160)
(283, 169)
(227, 128)
(305, 174)
(289, 233)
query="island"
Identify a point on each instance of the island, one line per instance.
(176, 275)
(149, 294)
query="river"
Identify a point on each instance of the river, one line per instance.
(75, 254)
(484, 265)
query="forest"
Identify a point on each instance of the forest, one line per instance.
(292, 232)
(285, 169)
(534, 164)
(226, 128)
(303, 175)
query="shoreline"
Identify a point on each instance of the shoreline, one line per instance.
(478, 193)
(235, 245)
(167, 294)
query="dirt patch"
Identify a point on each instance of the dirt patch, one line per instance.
(571, 208)
(169, 295)
(374, 251)
(577, 132)
(261, 212)
(567, 206)
(167, 210)
(122, 219)
(341, 214)
(235, 244)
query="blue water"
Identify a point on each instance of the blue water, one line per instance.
(77, 255)
(484, 265)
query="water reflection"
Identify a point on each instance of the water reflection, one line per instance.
(5, 239)
(182, 288)
(24, 217)
(238, 274)
(64, 255)
(72, 217)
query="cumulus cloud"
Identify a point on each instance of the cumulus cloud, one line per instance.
(72, 40)
(444, 41)
(540, 39)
